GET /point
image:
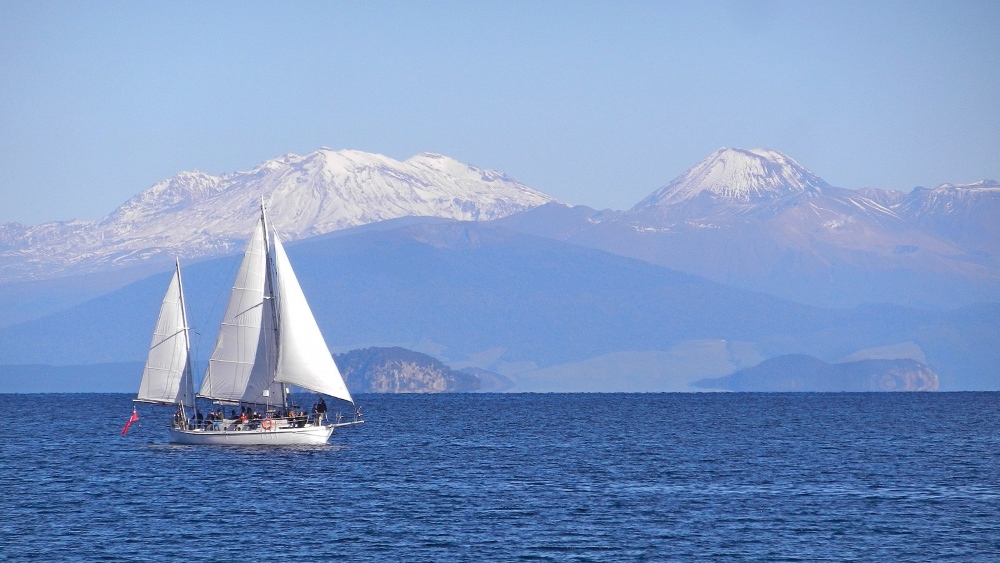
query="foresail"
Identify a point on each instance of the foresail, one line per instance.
(165, 378)
(236, 347)
(303, 357)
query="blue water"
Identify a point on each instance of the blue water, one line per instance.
(837, 477)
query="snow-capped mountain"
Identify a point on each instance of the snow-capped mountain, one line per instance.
(194, 214)
(747, 175)
(759, 220)
(734, 185)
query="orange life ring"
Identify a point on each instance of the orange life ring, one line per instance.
(267, 424)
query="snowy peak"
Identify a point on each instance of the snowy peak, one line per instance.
(743, 175)
(194, 214)
(327, 190)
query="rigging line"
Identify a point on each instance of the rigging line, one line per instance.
(187, 374)
(239, 314)
(166, 338)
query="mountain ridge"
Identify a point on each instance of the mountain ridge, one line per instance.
(535, 310)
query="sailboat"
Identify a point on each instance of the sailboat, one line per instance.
(267, 342)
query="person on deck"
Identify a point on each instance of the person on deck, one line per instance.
(319, 410)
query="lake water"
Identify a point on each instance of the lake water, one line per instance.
(508, 477)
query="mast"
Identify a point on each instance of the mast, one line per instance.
(272, 299)
(188, 375)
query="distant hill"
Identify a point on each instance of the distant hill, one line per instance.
(398, 370)
(805, 373)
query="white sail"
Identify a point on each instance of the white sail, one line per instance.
(303, 357)
(167, 375)
(236, 347)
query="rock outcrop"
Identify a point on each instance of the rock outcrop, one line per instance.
(398, 370)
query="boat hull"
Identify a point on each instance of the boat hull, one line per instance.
(309, 435)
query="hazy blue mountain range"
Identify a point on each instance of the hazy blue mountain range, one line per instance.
(745, 257)
(965, 214)
(550, 315)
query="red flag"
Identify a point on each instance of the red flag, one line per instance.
(135, 417)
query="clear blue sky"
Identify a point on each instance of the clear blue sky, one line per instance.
(597, 103)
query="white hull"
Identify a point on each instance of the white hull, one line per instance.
(309, 435)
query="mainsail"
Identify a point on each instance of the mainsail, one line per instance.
(236, 348)
(166, 378)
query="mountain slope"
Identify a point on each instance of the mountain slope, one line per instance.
(967, 214)
(459, 288)
(196, 215)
